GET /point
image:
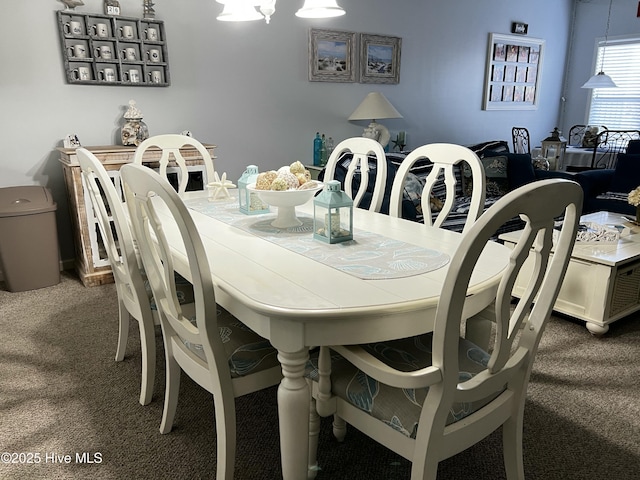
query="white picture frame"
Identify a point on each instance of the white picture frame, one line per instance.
(513, 72)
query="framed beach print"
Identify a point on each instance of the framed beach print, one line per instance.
(332, 56)
(380, 59)
(512, 78)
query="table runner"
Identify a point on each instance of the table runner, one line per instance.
(368, 256)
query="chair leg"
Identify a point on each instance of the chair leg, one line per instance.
(148, 350)
(339, 428)
(314, 431)
(225, 414)
(172, 389)
(123, 331)
(512, 446)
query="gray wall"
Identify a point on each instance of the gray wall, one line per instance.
(244, 86)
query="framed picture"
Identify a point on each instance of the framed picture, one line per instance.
(512, 78)
(332, 56)
(379, 59)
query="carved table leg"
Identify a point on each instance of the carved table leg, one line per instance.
(293, 414)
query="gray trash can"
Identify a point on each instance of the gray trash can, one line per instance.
(29, 255)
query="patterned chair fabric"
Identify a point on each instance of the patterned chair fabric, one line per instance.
(397, 407)
(246, 351)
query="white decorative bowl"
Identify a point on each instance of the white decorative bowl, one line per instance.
(286, 201)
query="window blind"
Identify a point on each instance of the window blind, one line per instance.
(618, 108)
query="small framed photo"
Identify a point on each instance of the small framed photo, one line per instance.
(332, 56)
(380, 59)
(71, 140)
(519, 28)
(112, 7)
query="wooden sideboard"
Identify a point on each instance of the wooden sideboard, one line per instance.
(91, 261)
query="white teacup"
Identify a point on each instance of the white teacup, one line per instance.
(155, 76)
(77, 51)
(104, 51)
(153, 54)
(126, 31)
(151, 34)
(107, 75)
(132, 76)
(100, 30)
(81, 73)
(129, 53)
(73, 28)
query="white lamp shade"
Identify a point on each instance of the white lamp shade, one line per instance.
(238, 11)
(600, 80)
(320, 9)
(375, 106)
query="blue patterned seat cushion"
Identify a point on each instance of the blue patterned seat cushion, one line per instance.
(246, 351)
(400, 408)
(184, 290)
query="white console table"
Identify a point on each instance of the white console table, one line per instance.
(602, 283)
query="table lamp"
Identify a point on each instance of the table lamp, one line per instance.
(375, 106)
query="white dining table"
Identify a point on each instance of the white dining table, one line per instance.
(297, 302)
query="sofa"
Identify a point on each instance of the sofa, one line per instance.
(504, 171)
(607, 189)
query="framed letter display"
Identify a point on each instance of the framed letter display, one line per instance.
(512, 78)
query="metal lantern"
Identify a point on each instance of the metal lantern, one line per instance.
(250, 203)
(553, 149)
(332, 215)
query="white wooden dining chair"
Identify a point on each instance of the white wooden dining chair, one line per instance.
(432, 396)
(170, 145)
(445, 157)
(360, 149)
(133, 298)
(210, 345)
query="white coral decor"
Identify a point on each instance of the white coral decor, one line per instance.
(634, 197)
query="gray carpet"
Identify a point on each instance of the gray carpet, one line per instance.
(62, 393)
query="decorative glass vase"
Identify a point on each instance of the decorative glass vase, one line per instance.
(637, 213)
(134, 132)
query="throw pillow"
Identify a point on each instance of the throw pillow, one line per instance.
(495, 172)
(626, 176)
(519, 168)
(482, 149)
(413, 187)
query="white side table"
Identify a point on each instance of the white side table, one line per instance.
(602, 283)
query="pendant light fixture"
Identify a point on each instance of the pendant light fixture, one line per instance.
(245, 10)
(602, 80)
(238, 11)
(320, 9)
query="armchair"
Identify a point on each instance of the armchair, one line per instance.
(430, 397)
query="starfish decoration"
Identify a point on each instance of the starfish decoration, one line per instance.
(220, 186)
(398, 143)
(149, 11)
